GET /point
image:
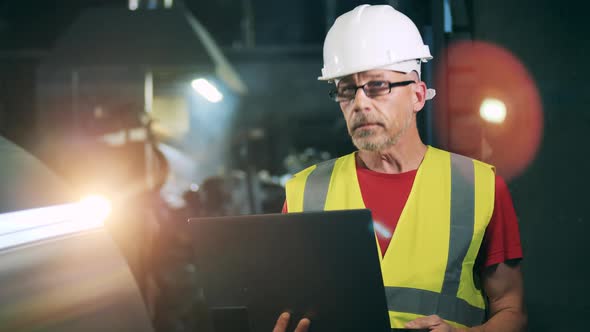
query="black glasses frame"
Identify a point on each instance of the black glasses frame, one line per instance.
(334, 93)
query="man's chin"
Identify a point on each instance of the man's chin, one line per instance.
(372, 145)
(367, 145)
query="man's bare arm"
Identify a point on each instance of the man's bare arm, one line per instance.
(503, 285)
(504, 288)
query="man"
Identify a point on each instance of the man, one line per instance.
(447, 233)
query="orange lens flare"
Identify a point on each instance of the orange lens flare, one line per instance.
(488, 106)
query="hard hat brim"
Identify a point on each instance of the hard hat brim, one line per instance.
(402, 67)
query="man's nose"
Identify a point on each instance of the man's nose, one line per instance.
(361, 102)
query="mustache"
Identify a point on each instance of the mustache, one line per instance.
(363, 120)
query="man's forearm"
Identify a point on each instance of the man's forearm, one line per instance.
(504, 288)
(503, 321)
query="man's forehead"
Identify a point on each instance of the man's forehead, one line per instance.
(372, 74)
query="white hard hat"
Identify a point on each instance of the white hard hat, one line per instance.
(373, 37)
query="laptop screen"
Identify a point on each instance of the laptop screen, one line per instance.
(320, 265)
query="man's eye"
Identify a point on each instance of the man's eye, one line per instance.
(377, 84)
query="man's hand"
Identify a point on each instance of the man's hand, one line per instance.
(283, 322)
(433, 322)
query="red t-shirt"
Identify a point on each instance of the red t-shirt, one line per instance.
(502, 238)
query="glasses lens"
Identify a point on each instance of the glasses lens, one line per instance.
(333, 95)
(372, 89)
(343, 93)
(376, 88)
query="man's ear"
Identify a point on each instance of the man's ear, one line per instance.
(418, 91)
(415, 96)
(419, 96)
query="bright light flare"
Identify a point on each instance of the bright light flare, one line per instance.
(381, 229)
(94, 207)
(27, 226)
(493, 110)
(207, 90)
(489, 107)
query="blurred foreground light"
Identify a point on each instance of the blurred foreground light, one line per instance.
(492, 110)
(27, 226)
(94, 207)
(207, 90)
(133, 4)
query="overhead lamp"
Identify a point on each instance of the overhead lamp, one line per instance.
(207, 90)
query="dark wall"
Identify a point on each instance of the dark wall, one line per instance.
(550, 197)
(17, 91)
(288, 102)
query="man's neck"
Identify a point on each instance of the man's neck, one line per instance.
(402, 157)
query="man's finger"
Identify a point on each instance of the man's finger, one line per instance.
(424, 322)
(303, 325)
(282, 322)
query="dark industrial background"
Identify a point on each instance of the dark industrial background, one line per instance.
(61, 90)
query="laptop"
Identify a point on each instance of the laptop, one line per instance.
(319, 265)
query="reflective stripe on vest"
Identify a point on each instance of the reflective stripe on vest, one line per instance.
(418, 301)
(316, 188)
(423, 302)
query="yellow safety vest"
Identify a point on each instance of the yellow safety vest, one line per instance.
(429, 266)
